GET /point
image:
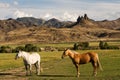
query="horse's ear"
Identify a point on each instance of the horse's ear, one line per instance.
(66, 49)
(20, 51)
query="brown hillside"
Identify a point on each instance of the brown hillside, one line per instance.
(55, 35)
(16, 32)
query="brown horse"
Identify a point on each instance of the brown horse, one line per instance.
(83, 59)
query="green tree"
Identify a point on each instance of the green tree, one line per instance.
(5, 49)
(106, 46)
(83, 45)
(75, 47)
(18, 48)
(31, 47)
(101, 45)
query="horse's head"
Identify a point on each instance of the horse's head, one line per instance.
(18, 55)
(65, 53)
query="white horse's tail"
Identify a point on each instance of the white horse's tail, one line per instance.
(99, 64)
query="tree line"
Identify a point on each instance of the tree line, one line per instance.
(76, 46)
(27, 47)
(85, 45)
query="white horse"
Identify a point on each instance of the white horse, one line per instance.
(28, 60)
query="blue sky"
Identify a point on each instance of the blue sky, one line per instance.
(60, 9)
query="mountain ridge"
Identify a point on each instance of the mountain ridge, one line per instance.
(34, 30)
(53, 22)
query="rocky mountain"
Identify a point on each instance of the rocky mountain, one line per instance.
(54, 23)
(114, 24)
(83, 21)
(30, 21)
(34, 30)
(10, 24)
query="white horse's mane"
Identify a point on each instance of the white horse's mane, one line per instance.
(27, 52)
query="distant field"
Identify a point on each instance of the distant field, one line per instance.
(68, 45)
(112, 43)
(54, 68)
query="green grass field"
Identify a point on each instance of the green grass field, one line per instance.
(55, 68)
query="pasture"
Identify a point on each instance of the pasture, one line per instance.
(55, 68)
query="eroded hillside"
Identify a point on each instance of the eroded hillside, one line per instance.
(53, 31)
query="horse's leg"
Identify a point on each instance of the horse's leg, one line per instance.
(30, 68)
(94, 68)
(26, 67)
(38, 68)
(77, 68)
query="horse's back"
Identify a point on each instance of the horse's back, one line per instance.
(92, 54)
(35, 57)
(84, 58)
(35, 54)
(87, 57)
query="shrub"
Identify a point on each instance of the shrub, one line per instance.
(27, 47)
(101, 45)
(113, 47)
(5, 49)
(31, 47)
(18, 49)
(84, 44)
(75, 47)
(81, 45)
(104, 45)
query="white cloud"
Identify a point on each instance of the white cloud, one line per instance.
(69, 17)
(62, 10)
(15, 3)
(101, 11)
(4, 5)
(48, 16)
(19, 13)
(63, 16)
(113, 15)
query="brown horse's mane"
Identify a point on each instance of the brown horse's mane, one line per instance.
(75, 52)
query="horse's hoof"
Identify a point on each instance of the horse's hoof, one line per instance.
(94, 75)
(78, 75)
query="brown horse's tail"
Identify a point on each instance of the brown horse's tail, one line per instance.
(99, 64)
